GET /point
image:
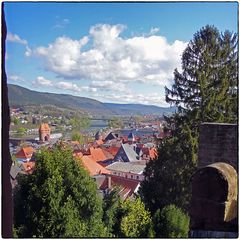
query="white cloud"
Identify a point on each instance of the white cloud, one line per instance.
(40, 80)
(68, 86)
(15, 78)
(154, 30)
(28, 52)
(110, 85)
(43, 81)
(15, 38)
(147, 99)
(148, 59)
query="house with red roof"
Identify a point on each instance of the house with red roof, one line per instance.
(25, 154)
(125, 175)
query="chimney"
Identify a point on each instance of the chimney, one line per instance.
(109, 182)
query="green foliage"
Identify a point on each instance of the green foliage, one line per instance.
(136, 220)
(112, 209)
(58, 200)
(127, 218)
(208, 83)
(15, 120)
(80, 123)
(77, 137)
(205, 90)
(21, 131)
(167, 179)
(171, 222)
(115, 123)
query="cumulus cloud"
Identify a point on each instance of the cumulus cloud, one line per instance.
(43, 81)
(110, 85)
(111, 58)
(15, 78)
(40, 80)
(15, 38)
(147, 99)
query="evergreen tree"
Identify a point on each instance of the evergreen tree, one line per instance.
(205, 90)
(171, 222)
(207, 86)
(112, 211)
(58, 200)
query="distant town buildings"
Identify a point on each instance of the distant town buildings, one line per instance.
(113, 158)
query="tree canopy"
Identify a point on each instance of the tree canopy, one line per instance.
(79, 122)
(207, 85)
(205, 90)
(115, 122)
(171, 222)
(127, 218)
(136, 220)
(58, 200)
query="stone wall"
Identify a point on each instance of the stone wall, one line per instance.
(214, 203)
(214, 198)
(218, 142)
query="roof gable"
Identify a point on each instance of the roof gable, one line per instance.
(25, 152)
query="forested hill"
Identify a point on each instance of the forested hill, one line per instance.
(20, 96)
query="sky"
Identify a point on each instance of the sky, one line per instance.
(111, 52)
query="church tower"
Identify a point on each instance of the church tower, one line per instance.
(44, 132)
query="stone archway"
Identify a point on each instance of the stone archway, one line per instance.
(214, 198)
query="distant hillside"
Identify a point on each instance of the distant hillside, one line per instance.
(138, 109)
(20, 96)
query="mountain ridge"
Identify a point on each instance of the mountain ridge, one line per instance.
(21, 96)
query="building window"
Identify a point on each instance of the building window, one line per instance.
(137, 177)
(131, 176)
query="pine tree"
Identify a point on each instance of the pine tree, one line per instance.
(205, 91)
(207, 85)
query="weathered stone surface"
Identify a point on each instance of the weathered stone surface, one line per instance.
(218, 142)
(214, 198)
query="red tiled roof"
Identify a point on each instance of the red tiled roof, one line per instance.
(92, 167)
(97, 154)
(107, 154)
(151, 152)
(28, 166)
(25, 152)
(99, 142)
(112, 150)
(128, 186)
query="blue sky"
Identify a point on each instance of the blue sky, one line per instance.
(112, 52)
